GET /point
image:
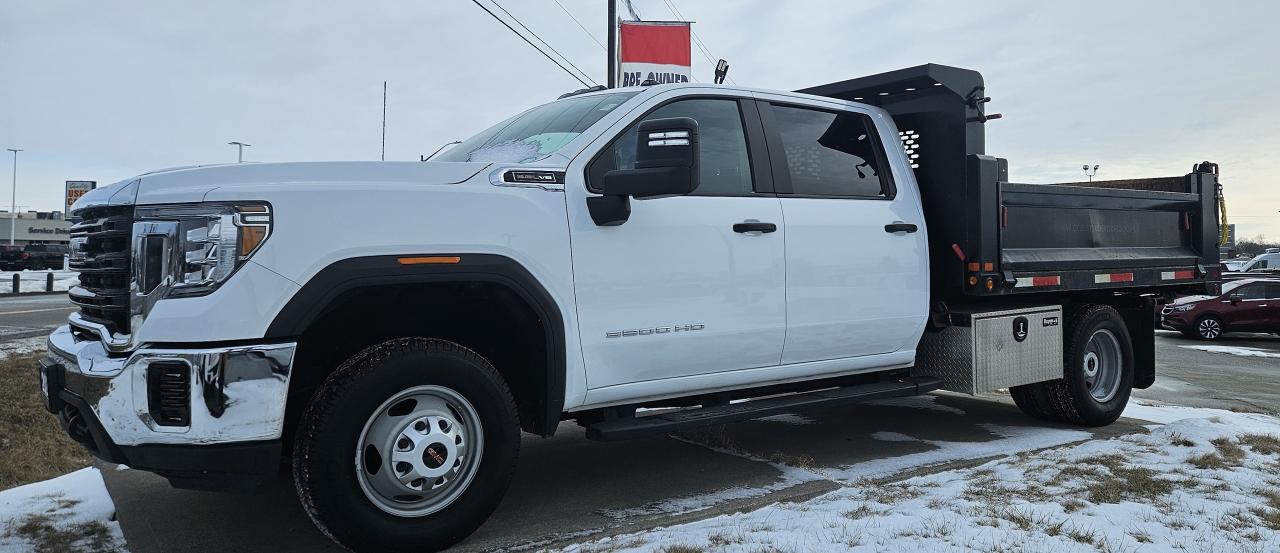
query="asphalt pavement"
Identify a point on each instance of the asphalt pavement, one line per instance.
(25, 316)
(568, 488)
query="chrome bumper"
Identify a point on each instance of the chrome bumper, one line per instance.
(237, 393)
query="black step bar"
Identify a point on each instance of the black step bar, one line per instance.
(685, 419)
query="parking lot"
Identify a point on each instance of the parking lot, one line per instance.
(568, 489)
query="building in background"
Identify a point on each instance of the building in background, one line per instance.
(36, 227)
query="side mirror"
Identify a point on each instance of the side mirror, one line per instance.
(666, 165)
(1236, 298)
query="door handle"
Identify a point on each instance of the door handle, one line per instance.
(754, 226)
(899, 227)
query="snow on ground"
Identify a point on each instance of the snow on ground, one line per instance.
(1207, 480)
(34, 281)
(22, 346)
(791, 419)
(1236, 350)
(69, 513)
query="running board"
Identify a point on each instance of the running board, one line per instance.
(685, 419)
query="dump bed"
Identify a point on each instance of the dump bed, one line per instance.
(992, 237)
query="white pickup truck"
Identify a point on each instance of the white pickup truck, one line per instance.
(389, 329)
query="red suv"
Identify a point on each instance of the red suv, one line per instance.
(1246, 305)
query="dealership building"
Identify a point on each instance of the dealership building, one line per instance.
(35, 227)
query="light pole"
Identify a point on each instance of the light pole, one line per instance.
(13, 209)
(1088, 174)
(239, 150)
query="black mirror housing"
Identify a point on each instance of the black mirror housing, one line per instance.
(666, 161)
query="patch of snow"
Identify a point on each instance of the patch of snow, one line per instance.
(23, 346)
(788, 419)
(1013, 439)
(34, 281)
(1236, 350)
(927, 401)
(1031, 502)
(1164, 414)
(76, 498)
(893, 437)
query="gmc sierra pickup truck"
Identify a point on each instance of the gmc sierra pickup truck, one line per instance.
(389, 329)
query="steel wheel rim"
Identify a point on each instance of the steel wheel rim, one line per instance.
(1209, 328)
(419, 451)
(1102, 365)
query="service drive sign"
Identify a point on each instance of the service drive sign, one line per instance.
(77, 188)
(654, 50)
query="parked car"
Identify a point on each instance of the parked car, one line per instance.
(607, 252)
(44, 256)
(1245, 305)
(11, 258)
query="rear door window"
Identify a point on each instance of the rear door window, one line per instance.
(831, 154)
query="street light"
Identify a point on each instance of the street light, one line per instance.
(13, 209)
(1088, 174)
(239, 150)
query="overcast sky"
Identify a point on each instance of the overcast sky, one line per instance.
(105, 90)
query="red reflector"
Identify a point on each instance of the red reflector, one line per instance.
(959, 252)
(973, 266)
(1024, 282)
(1105, 278)
(1177, 275)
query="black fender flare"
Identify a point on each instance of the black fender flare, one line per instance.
(330, 283)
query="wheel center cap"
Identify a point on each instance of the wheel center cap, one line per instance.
(434, 455)
(1090, 364)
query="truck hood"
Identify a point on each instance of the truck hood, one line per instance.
(192, 184)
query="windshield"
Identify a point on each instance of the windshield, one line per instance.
(538, 132)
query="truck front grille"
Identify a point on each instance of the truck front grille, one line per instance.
(100, 252)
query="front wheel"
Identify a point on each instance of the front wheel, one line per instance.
(408, 446)
(1209, 328)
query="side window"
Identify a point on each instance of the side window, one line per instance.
(1261, 264)
(1273, 291)
(830, 153)
(724, 168)
(1253, 292)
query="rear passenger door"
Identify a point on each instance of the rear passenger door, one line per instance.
(856, 257)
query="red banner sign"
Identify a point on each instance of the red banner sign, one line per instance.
(655, 51)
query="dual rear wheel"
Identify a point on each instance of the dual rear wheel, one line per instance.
(1097, 375)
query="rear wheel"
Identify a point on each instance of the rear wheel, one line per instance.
(1209, 327)
(408, 446)
(1097, 372)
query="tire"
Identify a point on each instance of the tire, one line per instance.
(346, 490)
(1095, 336)
(1031, 399)
(1209, 328)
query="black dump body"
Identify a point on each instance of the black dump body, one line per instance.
(991, 237)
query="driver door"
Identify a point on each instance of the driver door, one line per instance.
(676, 291)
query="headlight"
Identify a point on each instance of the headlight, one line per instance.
(1184, 307)
(190, 250)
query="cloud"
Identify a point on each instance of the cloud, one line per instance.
(106, 90)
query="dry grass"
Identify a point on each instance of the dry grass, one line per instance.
(33, 446)
(42, 533)
(1262, 444)
(1120, 482)
(682, 548)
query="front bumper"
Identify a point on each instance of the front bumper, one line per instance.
(236, 397)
